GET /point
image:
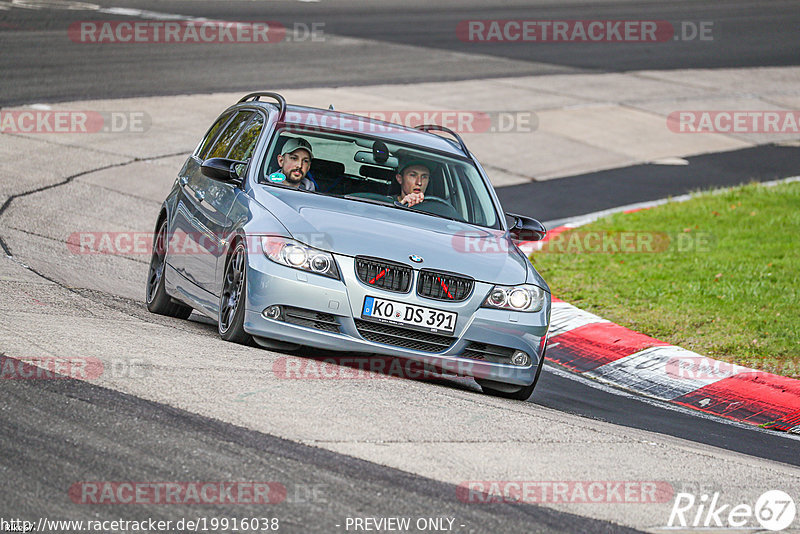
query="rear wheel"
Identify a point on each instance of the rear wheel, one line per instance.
(232, 300)
(157, 299)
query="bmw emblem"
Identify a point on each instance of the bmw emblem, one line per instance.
(415, 258)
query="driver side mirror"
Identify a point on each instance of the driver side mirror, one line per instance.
(222, 169)
(526, 228)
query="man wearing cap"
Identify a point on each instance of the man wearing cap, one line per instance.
(295, 160)
(413, 175)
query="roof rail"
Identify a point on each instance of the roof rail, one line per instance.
(436, 127)
(281, 101)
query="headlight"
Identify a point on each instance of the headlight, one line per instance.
(298, 256)
(526, 298)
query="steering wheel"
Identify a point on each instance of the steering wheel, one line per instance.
(426, 200)
(438, 206)
(437, 200)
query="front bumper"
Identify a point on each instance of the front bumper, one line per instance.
(273, 284)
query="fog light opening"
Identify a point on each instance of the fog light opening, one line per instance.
(273, 312)
(520, 358)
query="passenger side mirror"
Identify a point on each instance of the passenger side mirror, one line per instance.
(526, 228)
(222, 169)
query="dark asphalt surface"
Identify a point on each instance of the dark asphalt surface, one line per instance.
(56, 433)
(40, 63)
(556, 199)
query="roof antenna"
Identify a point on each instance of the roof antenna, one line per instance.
(331, 107)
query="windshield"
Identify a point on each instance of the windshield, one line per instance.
(364, 169)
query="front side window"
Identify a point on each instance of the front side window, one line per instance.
(243, 147)
(223, 142)
(205, 146)
(358, 168)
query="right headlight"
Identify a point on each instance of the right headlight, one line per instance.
(524, 298)
(299, 256)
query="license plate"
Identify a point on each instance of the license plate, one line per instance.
(411, 315)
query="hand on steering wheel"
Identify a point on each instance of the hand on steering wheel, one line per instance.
(412, 198)
(437, 199)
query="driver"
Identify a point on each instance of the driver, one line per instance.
(295, 161)
(413, 175)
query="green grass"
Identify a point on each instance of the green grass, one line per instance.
(722, 282)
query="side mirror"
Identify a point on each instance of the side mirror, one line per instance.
(222, 169)
(526, 228)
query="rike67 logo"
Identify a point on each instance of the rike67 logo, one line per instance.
(774, 510)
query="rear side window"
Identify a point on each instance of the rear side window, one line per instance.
(246, 142)
(212, 133)
(223, 142)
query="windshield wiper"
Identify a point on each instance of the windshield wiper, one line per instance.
(367, 200)
(398, 204)
(442, 216)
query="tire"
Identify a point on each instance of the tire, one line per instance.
(155, 295)
(507, 391)
(272, 344)
(230, 322)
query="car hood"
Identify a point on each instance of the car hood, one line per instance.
(355, 228)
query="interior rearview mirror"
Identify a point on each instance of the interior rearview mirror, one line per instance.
(362, 156)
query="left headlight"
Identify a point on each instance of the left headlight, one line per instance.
(524, 298)
(299, 256)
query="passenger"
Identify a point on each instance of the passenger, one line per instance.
(413, 175)
(294, 161)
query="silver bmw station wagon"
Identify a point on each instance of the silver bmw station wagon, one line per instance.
(292, 226)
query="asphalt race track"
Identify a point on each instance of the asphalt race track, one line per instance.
(379, 42)
(608, 189)
(198, 409)
(325, 486)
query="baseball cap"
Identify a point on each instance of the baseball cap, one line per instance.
(414, 160)
(295, 143)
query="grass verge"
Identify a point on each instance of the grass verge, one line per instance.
(718, 274)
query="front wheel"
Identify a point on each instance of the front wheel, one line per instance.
(508, 391)
(157, 299)
(232, 300)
